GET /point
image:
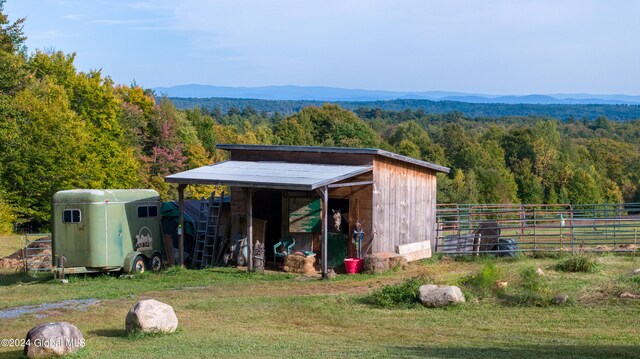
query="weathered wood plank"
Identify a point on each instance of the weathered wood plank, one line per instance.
(404, 204)
(415, 251)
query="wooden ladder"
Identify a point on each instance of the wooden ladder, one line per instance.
(201, 232)
(211, 241)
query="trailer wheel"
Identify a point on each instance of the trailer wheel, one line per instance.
(139, 265)
(156, 263)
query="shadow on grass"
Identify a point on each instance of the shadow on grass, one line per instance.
(22, 278)
(12, 354)
(109, 333)
(521, 352)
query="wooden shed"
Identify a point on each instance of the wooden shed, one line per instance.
(300, 190)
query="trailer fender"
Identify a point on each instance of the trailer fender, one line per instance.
(128, 261)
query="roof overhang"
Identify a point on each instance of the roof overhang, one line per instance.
(345, 150)
(274, 175)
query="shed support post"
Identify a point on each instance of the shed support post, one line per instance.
(181, 223)
(325, 230)
(250, 228)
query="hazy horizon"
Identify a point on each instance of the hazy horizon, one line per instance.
(495, 47)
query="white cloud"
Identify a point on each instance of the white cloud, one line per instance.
(73, 17)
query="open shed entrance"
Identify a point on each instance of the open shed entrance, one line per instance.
(267, 206)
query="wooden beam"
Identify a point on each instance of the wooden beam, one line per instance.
(250, 227)
(325, 231)
(350, 184)
(181, 222)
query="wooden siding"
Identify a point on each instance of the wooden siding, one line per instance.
(404, 204)
(398, 209)
(348, 159)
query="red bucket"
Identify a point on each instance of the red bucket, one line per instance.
(353, 265)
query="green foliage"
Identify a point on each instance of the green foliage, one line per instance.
(44, 146)
(412, 140)
(328, 125)
(483, 283)
(401, 295)
(7, 217)
(532, 281)
(532, 290)
(579, 263)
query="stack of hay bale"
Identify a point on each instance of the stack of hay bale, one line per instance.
(381, 262)
(297, 262)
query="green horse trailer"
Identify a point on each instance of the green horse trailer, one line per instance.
(107, 230)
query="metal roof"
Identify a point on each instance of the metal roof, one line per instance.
(349, 150)
(277, 175)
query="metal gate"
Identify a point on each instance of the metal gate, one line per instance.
(477, 228)
(37, 252)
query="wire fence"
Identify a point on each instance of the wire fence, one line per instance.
(509, 228)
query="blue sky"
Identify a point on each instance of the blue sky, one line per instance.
(489, 46)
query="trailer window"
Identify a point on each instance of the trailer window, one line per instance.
(71, 216)
(147, 211)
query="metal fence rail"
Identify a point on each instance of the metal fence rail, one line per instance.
(38, 247)
(476, 228)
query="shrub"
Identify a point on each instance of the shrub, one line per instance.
(579, 263)
(533, 290)
(484, 281)
(401, 295)
(532, 281)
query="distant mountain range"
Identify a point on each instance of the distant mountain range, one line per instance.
(318, 93)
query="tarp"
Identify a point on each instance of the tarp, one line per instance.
(170, 212)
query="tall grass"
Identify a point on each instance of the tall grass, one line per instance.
(401, 295)
(579, 263)
(483, 283)
(532, 290)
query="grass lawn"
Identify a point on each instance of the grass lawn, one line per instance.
(10, 244)
(224, 312)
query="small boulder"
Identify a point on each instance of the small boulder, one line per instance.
(636, 272)
(53, 339)
(560, 299)
(151, 316)
(433, 296)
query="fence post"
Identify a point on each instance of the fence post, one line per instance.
(521, 221)
(571, 218)
(458, 219)
(535, 224)
(25, 253)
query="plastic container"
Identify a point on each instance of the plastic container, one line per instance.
(353, 265)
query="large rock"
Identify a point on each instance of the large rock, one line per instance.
(53, 339)
(433, 296)
(151, 316)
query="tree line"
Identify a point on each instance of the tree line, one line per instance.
(61, 128)
(474, 110)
